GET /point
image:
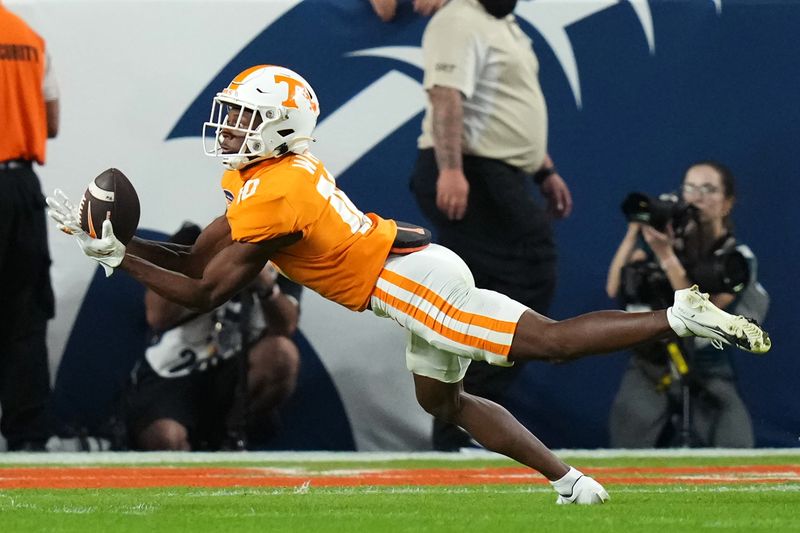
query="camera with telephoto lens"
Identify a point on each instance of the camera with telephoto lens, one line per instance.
(658, 212)
(644, 283)
(726, 271)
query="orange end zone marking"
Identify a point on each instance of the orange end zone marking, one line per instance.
(141, 477)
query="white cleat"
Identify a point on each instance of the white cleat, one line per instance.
(693, 314)
(585, 491)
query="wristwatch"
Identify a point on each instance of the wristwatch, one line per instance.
(542, 174)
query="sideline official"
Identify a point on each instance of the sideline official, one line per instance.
(482, 152)
(29, 109)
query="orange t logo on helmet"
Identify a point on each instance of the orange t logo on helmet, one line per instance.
(293, 84)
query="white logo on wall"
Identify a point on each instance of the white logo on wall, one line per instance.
(552, 24)
(551, 18)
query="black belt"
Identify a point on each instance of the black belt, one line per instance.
(12, 164)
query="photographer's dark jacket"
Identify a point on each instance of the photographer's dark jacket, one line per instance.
(729, 267)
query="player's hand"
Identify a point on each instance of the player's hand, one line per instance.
(452, 190)
(63, 213)
(107, 251)
(559, 199)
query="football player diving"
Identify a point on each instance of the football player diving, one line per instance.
(284, 206)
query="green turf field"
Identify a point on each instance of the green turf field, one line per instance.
(671, 494)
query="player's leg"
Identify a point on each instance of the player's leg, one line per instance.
(527, 277)
(432, 293)
(487, 381)
(438, 380)
(497, 430)
(489, 423)
(538, 337)
(693, 314)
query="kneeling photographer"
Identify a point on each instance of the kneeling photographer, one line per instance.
(214, 381)
(683, 391)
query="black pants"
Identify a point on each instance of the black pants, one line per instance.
(647, 413)
(202, 402)
(26, 304)
(506, 240)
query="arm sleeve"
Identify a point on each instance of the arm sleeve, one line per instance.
(50, 84)
(452, 56)
(252, 226)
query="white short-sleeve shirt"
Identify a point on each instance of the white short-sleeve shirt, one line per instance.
(491, 62)
(50, 84)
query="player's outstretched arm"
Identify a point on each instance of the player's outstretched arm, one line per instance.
(188, 260)
(227, 273)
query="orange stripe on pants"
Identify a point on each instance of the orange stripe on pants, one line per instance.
(421, 316)
(500, 326)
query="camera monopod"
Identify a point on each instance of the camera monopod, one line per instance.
(681, 369)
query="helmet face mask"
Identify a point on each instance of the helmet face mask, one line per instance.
(272, 110)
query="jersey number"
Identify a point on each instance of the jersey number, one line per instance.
(326, 186)
(248, 190)
(349, 213)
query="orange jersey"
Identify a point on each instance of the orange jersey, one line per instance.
(342, 250)
(22, 61)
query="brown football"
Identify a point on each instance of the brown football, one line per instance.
(110, 196)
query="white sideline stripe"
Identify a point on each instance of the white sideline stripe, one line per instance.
(377, 489)
(272, 457)
(6, 502)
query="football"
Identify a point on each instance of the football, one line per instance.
(110, 196)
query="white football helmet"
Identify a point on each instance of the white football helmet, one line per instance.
(284, 111)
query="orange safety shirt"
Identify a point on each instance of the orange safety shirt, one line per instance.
(342, 250)
(22, 108)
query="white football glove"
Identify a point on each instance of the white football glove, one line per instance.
(107, 250)
(63, 212)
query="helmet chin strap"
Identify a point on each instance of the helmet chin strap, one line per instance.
(237, 162)
(299, 139)
(240, 160)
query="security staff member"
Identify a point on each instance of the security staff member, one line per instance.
(28, 116)
(483, 149)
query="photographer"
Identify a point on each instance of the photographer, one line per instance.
(215, 380)
(678, 391)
